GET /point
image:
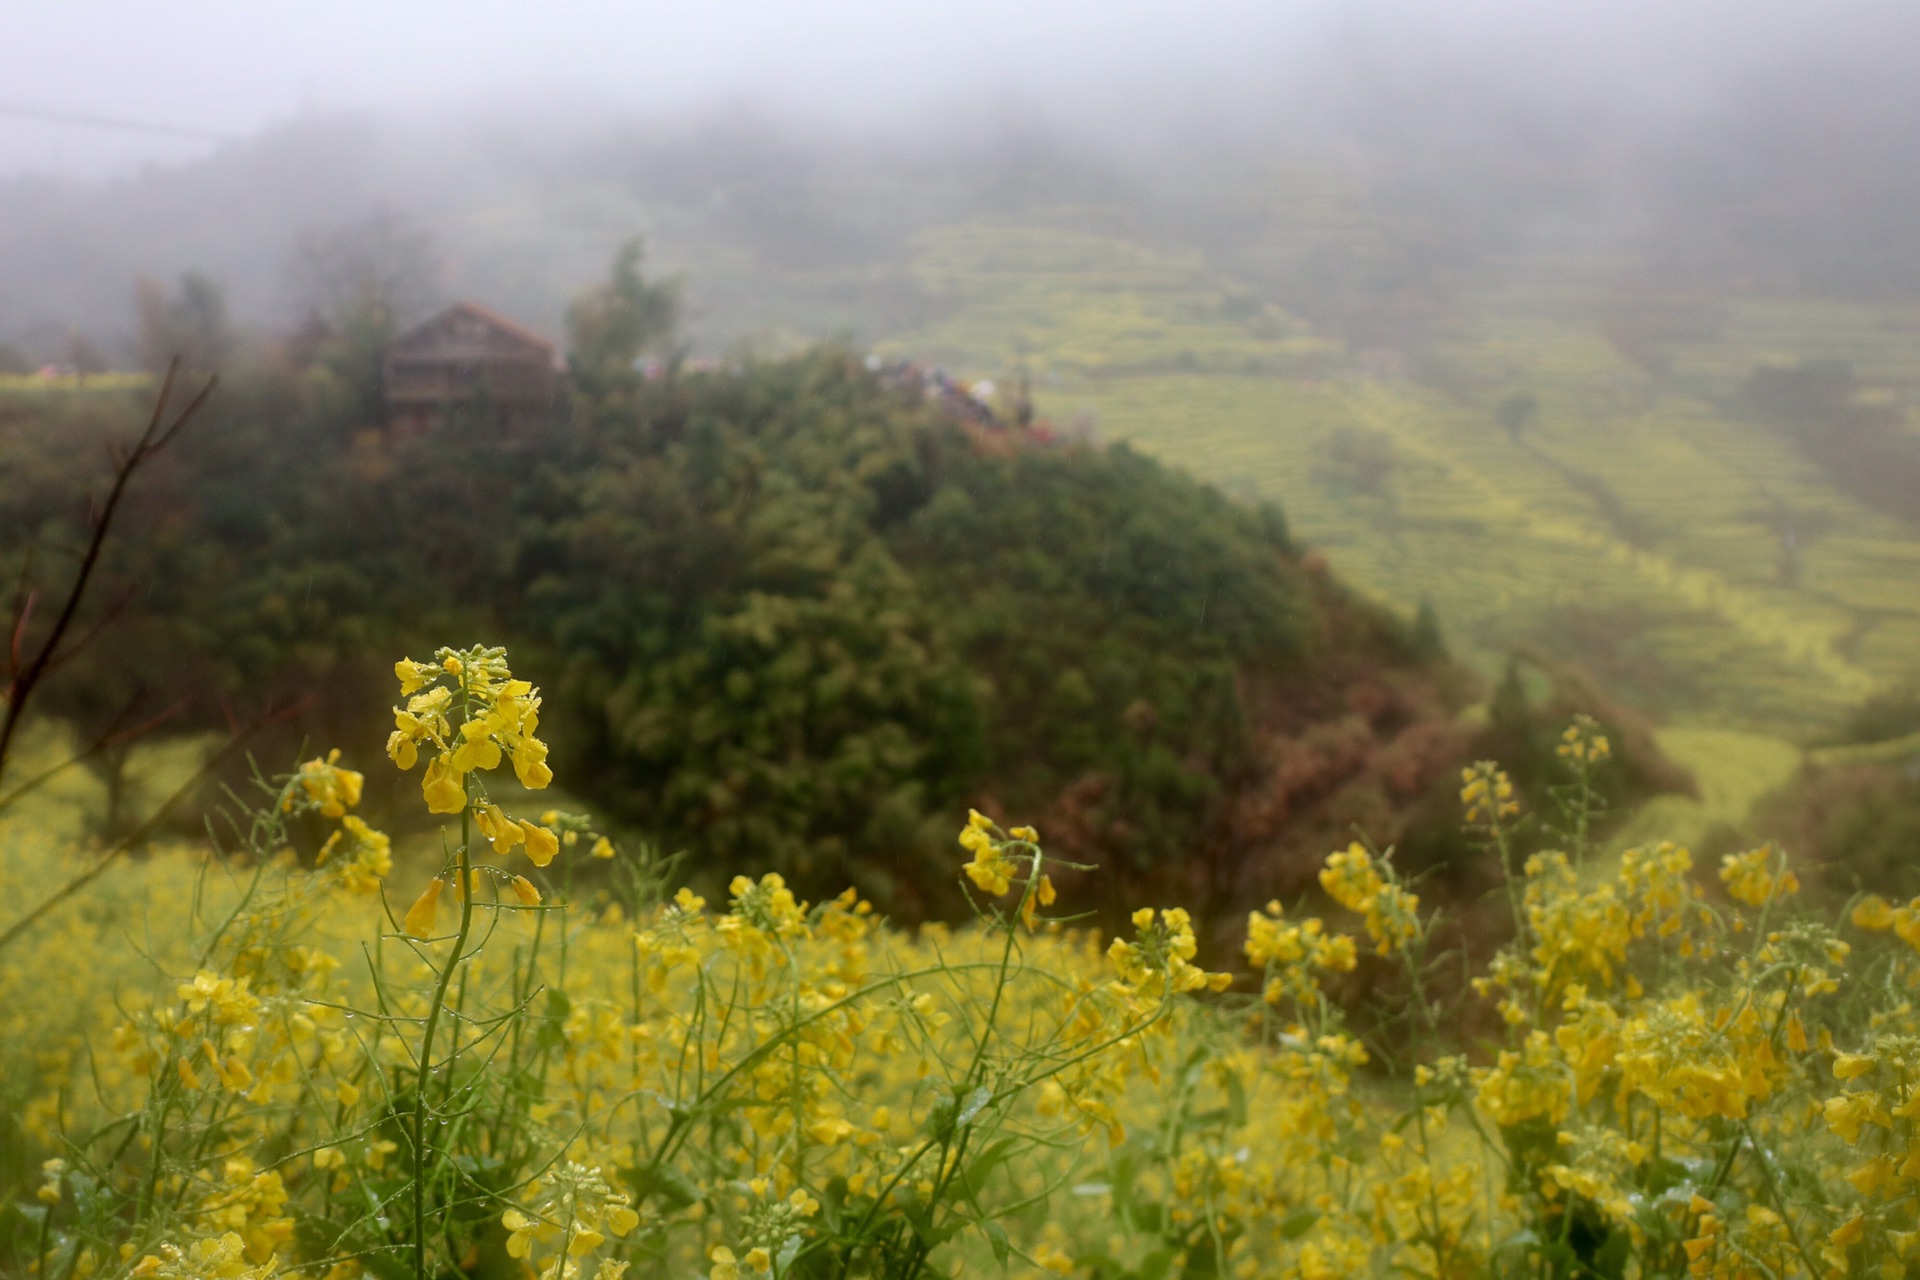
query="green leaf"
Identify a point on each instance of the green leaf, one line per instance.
(975, 1103)
(553, 1027)
(833, 1202)
(1156, 1265)
(1610, 1259)
(1298, 1223)
(1518, 1248)
(1236, 1100)
(916, 1215)
(975, 1177)
(670, 1186)
(1120, 1179)
(997, 1237)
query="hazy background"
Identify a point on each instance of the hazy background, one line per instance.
(235, 68)
(1587, 334)
(1754, 140)
(1597, 324)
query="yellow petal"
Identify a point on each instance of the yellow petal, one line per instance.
(500, 830)
(542, 844)
(401, 749)
(478, 752)
(1849, 1065)
(523, 889)
(529, 764)
(424, 911)
(441, 788)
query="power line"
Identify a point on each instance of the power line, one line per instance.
(89, 121)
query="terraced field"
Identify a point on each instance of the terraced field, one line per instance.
(1698, 564)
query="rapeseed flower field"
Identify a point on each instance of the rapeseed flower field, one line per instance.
(229, 1064)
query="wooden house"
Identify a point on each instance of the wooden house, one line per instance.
(469, 355)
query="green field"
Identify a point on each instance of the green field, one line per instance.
(1634, 527)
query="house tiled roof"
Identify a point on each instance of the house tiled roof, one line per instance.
(485, 314)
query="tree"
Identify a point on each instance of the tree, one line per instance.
(1515, 412)
(381, 269)
(189, 325)
(360, 282)
(1513, 727)
(1426, 639)
(610, 326)
(82, 356)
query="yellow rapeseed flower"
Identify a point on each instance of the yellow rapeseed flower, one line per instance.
(326, 786)
(990, 871)
(1752, 878)
(530, 764)
(422, 915)
(441, 787)
(1872, 913)
(1849, 1066)
(542, 844)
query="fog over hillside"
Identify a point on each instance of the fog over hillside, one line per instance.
(782, 158)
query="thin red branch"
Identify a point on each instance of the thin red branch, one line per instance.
(146, 829)
(106, 619)
(145, 727)
(113, 737)
(152, 440)
(20, 622)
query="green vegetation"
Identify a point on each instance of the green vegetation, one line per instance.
(1637, 521)
(789, 615)
(1596, 484)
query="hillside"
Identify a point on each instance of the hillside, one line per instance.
(790, 615)
(1559, 439)
(1699, 563)
(1292, 331)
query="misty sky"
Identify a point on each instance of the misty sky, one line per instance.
(234, 66)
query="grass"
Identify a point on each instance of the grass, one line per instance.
(61, 383)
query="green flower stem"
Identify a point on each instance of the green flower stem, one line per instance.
(426, 1041)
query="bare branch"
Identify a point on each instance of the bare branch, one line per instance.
(113, 737)
(23, 682)
(22, 616)
(106, 619)
(146, 829)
